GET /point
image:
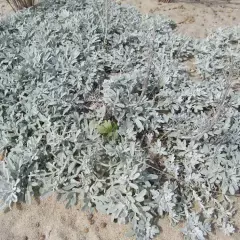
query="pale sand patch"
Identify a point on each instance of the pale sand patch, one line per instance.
(52, 221)
(194, 18)
(55, 222)
(4, 8)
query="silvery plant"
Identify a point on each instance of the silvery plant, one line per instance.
(103, 105)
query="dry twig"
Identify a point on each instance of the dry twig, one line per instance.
(20, 4)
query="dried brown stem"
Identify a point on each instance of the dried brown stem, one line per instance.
(149, 66)
(20, 4)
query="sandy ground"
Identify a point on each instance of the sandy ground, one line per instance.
(4, 8)
(49, 220)
(195, 18)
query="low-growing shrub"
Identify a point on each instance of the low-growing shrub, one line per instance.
(98, 103)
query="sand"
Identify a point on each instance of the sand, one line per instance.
(49, 220)
(4, 8)
(196, 18)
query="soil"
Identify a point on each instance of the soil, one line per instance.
(194, 18)
(49, 220)
(5, 9)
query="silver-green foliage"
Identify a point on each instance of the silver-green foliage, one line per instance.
(68, 66)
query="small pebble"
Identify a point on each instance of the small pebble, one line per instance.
(19, 206)
(91, 222)
(42, 237)
(97, 229)
(103, 224)
(90, 216)
(86, 230)
(37, 224)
